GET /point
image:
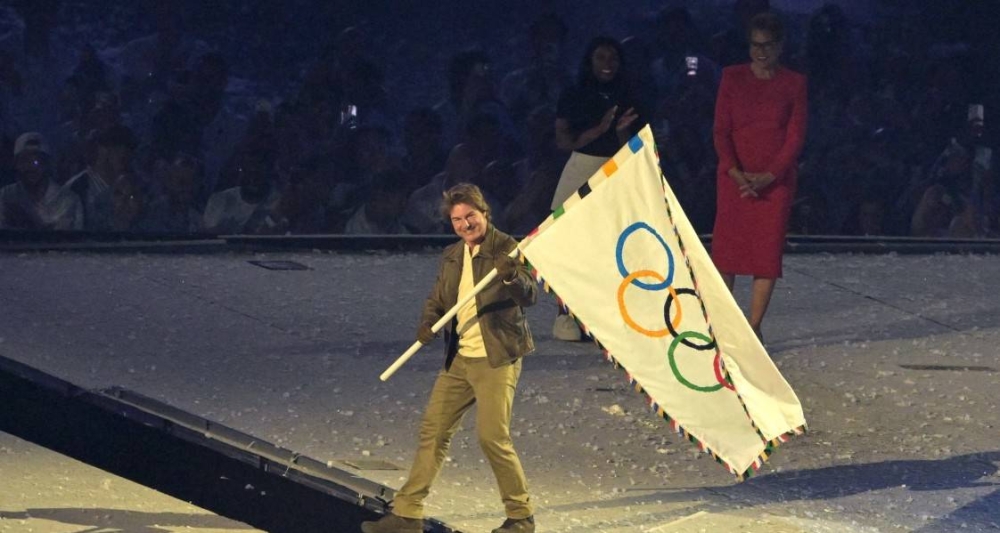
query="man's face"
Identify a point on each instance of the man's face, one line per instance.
(469, 223)
(32, 168)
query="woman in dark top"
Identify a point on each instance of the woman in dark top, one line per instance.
(595, 117)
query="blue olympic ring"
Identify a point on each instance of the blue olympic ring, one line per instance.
(667, 280)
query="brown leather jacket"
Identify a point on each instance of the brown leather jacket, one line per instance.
(501, 306)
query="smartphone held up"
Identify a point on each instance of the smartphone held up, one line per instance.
(349, 116)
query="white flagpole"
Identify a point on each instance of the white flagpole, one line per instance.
(443, 320)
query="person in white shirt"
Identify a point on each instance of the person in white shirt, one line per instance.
(384, 207)
(111, 159)
(35, 202)
(171, 208)
(250, 208)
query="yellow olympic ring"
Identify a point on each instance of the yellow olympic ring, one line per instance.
(675, 322)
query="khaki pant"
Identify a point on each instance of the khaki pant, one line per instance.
(469, 381)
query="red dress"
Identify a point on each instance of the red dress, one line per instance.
(760, 126)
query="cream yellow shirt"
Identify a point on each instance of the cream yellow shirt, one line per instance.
(470, 336)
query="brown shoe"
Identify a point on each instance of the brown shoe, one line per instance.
(517, 525)
(392, 523)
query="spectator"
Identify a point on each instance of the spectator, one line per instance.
(127, 203)
(471, 92)
(303, 200)
(541, 81)
(729, 46)
(687, 78)
(260, 137)
(80, 95)
(145, 66)
(498, 182)
(345, 75)
(677, 39)
(983, 195)
(361, 79)
(424, 155)
(39, 18)
(809, 215)
(371, 153)
(366, 153)
(251, 207)
(90, 78)
(173, 207)
(11, 87)
(685, 163)
(640, 78)
(957, 196)
(382, 211)
(35, 202)
(468, 162)
(889, 94)
(829, 57)
(111, 160)
(537, 174)
(196, 121)
(74, 139)
(596, 116)
(940, 214)
(421, 215)
(484, 143)
(291, 141)
(321, 80)
(868, 216)
(175, 129)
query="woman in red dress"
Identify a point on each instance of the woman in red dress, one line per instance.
(760, 125)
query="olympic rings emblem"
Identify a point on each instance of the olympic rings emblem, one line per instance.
(691, 339)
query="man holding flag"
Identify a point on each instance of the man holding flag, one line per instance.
(484, 345)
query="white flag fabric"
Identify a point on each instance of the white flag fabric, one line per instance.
(627, 264)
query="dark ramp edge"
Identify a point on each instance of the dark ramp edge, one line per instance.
(215, 467)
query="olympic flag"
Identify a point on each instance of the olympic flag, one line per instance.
(627, 264)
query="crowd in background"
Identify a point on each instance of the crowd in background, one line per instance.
(148, 136)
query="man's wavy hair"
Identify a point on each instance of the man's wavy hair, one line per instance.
(463, 193)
